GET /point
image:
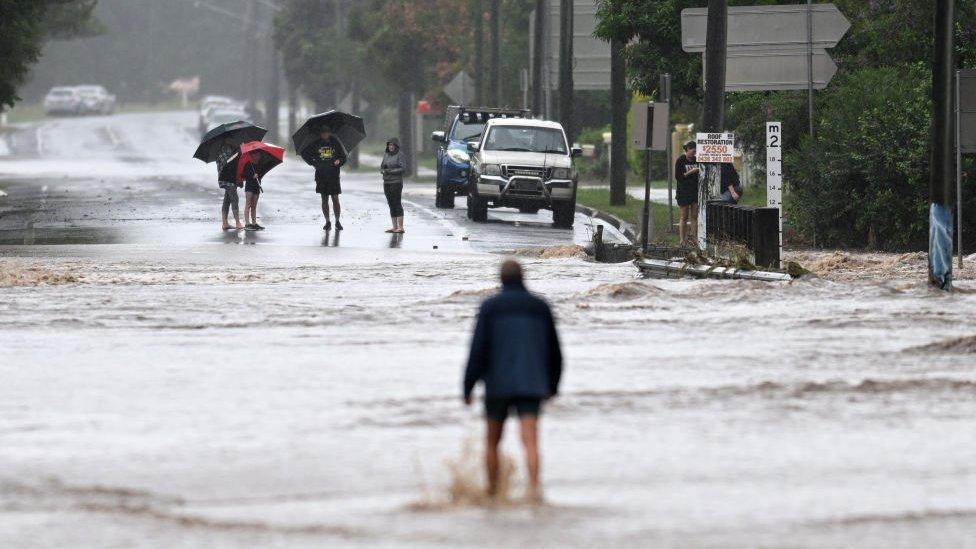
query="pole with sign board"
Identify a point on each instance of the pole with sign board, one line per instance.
(774, 172)
(649, 133)
(713, 148)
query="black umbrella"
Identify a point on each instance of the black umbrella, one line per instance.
(237, 132)
(347, 128)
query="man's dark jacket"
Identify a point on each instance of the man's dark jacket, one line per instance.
(515, 349)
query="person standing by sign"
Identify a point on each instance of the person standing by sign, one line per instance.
(686, 173)
(731, 184)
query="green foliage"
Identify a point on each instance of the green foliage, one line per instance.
(24, 25)
(866, 183)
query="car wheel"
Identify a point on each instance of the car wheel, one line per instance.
(563, 215)
(529, 209)
(478, 209)
(444, 198)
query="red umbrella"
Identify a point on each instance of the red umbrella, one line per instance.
(264, 157)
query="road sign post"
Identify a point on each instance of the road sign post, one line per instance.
(774, 173)
(965, 137)
(649, 133)
(461, 88)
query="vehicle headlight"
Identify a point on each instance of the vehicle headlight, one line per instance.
(491, 169)
(458, 156)
(562, 173)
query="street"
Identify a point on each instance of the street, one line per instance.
(168, 384)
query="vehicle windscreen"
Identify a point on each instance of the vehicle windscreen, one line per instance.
(526, 139)
(468, 131)
(61, 93)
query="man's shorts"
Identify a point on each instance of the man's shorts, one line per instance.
(496, 409)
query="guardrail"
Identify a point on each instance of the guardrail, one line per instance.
(732, 228)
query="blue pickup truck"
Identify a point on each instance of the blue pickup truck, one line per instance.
(462, 125)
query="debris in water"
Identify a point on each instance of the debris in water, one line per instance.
(12, 274)
(554, 252)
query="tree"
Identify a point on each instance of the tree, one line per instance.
(24, 27)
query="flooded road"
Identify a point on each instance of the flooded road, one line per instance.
(171, 385)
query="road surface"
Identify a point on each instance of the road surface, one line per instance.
(166, 384)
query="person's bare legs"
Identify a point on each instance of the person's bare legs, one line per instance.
(682, 219)
(325, 208)
(530, 440)
(491, 455)
(254, 208)
(335, 206)
(693, 223)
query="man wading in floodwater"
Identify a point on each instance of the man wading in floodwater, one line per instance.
(515, 351)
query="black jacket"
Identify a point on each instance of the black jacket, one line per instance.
(515, 349)
(323, 154)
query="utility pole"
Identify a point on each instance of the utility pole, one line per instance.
(247, 48)
(538, 58)
(940, 161)
(566, 112)
(713, 117)
(619, 107)
(273, 101)
(810, 69)
(479, 52)
(496, 54)
(716, 37)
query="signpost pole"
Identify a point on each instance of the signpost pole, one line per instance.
(810, 65)
(958, 171)
(666, 97)
(648, 218)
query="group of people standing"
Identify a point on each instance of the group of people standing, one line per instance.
(251, 183)
(687, 174)
(327, 156)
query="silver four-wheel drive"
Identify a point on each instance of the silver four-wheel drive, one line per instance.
(525, 164)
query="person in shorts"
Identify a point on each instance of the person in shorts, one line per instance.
(515, 353)
(686, 174)
(327, 155)
(227, 158)
(252, 192)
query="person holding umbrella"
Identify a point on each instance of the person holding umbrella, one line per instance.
(392, 169)
(227, 158)
(327, 155)
(256, 160)
(323, 142)
(222, 145)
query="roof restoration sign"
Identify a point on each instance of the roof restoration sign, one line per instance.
(715, 147)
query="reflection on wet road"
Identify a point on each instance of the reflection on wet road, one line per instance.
(130, 179)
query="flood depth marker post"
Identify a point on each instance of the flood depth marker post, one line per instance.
(774, 173)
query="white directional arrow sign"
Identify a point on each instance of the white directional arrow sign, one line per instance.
(786, 70)
(767, 28)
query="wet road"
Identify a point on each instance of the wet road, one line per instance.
(171, 388)
(130, 179)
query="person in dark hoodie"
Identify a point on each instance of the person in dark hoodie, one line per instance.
(327, 155)
(392, 169)
(515, 352)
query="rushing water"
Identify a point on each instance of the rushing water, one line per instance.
(315, 396)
